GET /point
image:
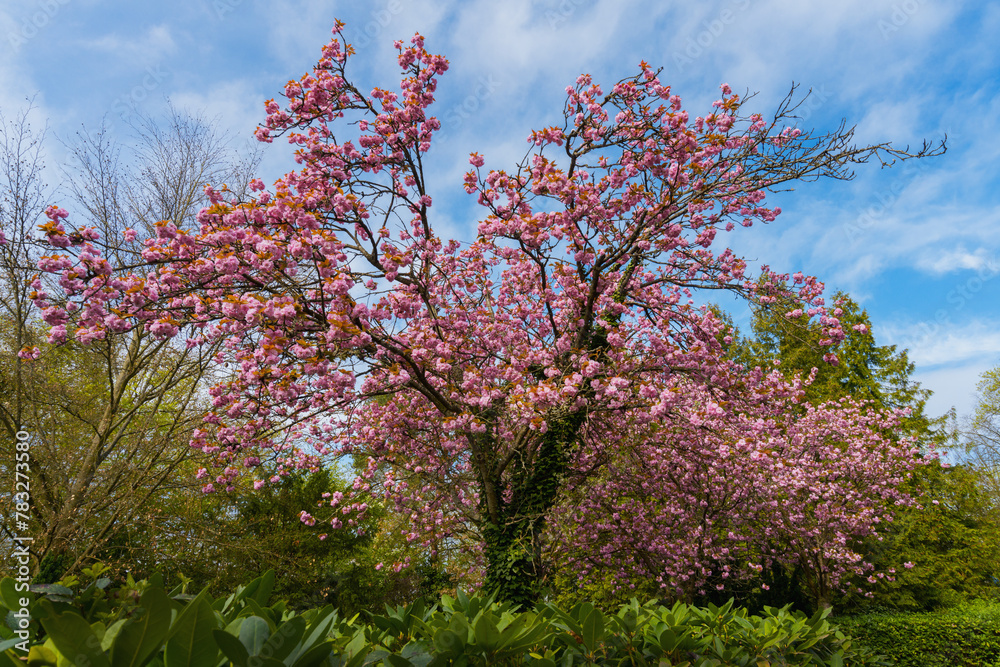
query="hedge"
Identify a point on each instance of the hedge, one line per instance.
(965, 636)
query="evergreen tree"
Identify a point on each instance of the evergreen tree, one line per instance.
(855, 366)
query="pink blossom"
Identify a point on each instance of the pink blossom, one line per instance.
(349, 327)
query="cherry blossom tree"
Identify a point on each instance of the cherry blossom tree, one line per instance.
(721, 491)
(479, 382)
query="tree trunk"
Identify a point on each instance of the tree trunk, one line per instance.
(514, 568)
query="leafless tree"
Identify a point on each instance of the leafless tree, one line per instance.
(982, 435)
(109, 421)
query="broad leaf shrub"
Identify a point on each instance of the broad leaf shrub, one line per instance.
(966, 636)
(145, 624)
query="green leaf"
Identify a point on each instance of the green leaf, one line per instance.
(41, 656)
(487, 633)
(9, 595)
(448, 642)
(593, 629)
(247, 591)
(460, 626)
(231, 647)
(190, 639)
(543, 662)
(264, 661)
(315, 633)
(253, 633)
(72, 635)
(253, 608)
(11, 620)
(668, 640)
(10, 643)
(418, 653)
(6, 660)
(314, 656)
(357, 650)
(263, 591)
(284, 640)
(138, 640)
(108, 640)
(393, 660)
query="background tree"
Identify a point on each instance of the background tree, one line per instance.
(982, 436)
(23, 195)
(110, 421)
(141, 509)
(881, 374)
(862, 369)
(222, 540)
(942, 553)
(508, 366)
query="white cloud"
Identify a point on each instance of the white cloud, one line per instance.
(959, 259)
(954, 386)
(944, 344)
(234, 105)
(152, 46)
(896, 121)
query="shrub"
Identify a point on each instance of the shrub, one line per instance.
(143, 623)
(966, 636)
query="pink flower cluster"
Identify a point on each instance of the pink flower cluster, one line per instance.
(351, 328)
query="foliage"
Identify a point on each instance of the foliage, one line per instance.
(982, 435)
(505, 370)
(966, 636)
(944, 549)
(797, 499)
(217, 540)
(145, 624)
(859, 368)
(108, 424)
(941, 553)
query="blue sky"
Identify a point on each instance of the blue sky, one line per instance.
(917, 245)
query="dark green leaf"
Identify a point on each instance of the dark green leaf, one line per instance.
(487, 633)
(253, 633)
(314, 656)
(138, 640)
(72, 635)
(283, 641)
(263, 591)
(190, 638)
(231, 647)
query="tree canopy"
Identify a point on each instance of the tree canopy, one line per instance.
(482, 383)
